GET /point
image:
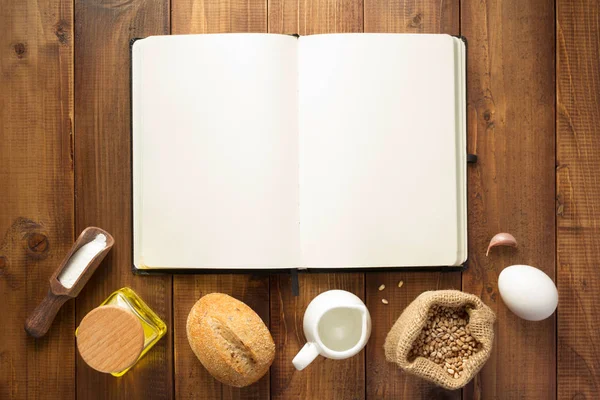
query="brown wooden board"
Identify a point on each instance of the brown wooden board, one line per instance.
(315, 16)
(191, 378)
(65, 146)
(511, 98)
(206, 16)
(578, 193)
(385, 380)
(36, 186)
(103, 181)
(406, 16)
(325, 379)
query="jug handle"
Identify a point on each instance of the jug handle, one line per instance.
(305, 356)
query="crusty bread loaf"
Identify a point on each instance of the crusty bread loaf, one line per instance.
(230, 339)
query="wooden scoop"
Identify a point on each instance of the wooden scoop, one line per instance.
(40, 320)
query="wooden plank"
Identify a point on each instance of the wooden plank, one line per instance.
(103, 180)
(410, 16)
(511, 98)
(36, 182)
(385, 380)
(199, 16)
(578, 189)
(205, 16)
(326, 379)
(315, 16)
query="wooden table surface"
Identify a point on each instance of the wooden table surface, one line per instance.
(533, 112)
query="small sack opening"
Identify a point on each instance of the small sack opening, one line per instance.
(446, 339)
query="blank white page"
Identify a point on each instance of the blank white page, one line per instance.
(215, 151)
(378, 162)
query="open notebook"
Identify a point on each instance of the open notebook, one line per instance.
(256, 151)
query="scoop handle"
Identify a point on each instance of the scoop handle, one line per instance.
(41, 318)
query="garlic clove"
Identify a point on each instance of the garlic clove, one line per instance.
(501, 239)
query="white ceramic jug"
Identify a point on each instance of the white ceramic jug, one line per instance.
(337, 325)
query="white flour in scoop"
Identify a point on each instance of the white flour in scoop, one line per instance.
(80, 260)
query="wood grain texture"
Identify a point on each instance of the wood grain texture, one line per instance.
(110, 338)
(512, 46)
(103, 180)
(323, 378)
(578, 193)
(206, 16)
(191, 378)
(511, 99)
(315, 16)
(36, 186)
(40, 320)
(384, 379)
(412, 16)
(326, 379)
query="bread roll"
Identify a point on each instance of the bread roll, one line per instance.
(230, 339)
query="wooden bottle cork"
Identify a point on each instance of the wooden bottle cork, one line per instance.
(110, 339)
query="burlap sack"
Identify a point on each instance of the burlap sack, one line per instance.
(407, 328)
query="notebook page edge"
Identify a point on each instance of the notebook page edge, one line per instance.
(136, 63)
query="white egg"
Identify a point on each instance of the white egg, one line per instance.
(528, 292)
